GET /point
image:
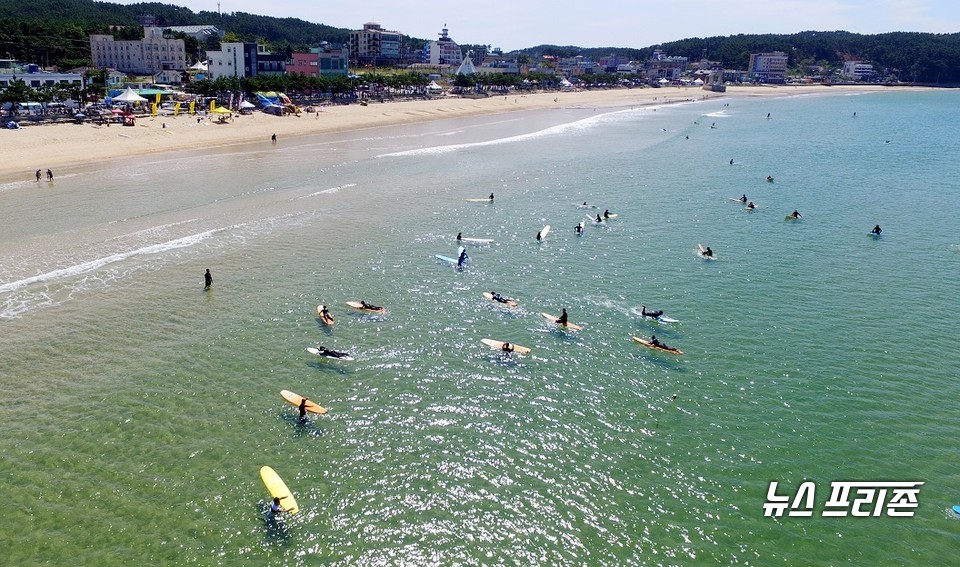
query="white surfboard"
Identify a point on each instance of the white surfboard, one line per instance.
(544, 232)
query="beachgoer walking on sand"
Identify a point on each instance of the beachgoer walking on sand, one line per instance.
(207, 279)
(38, 176)
(49, 175)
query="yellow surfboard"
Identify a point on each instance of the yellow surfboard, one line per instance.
(295, 399)
(278, 489)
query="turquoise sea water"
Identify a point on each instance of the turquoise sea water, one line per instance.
(137, 409)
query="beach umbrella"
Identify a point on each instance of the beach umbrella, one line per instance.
(221, 110)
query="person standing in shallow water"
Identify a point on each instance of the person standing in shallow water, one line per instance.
(38, 176)
(273, 138)
(207, 279)
(49, 175)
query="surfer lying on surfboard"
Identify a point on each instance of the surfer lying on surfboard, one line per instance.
(372, 307)
(324, 351)
(658, 344)
(651, 314)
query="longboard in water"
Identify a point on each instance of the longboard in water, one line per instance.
(328, 320)
(498, 345)
(791, 217)
(487, 200)
(508, 302)
(358, 305)
(648, 344)
(661, 319)
(446, 259)
(553, 319)
(315, 351)
(295, 399)
(278, 489)
(476, 240)
(956, 509)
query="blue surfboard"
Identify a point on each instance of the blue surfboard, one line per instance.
(446, 259)
(956, 510)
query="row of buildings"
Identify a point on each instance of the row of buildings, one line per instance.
(165, 59)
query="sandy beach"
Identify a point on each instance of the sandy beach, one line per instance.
(60, 146)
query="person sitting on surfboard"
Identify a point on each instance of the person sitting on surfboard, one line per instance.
(876, 230)
(369, 306)
(506, 347)
(708, 252)
(796, 214)
(325, 313)
(579, 228)
(606, 214)
(459, 236)
(744, 198)
(562, 319)
(491, 196)
(751, 206)
(599, 219)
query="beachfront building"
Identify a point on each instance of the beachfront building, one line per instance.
(466, 67)
(442, 51)
(145, 56)
(244, 60)
(374, 45)
(35, 77)
(577, 66)
(319, 61)
(768, 67)
(857, 70)
(661, 66)
(498, 64)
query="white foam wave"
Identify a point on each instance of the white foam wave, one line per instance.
(98, 263)
(561, 129)
(329, 191)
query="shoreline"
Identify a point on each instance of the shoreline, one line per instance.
(62, 146)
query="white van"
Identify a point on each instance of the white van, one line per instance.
(29, 109)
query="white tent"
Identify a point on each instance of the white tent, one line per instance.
(129, 96)
(433, 86)
(663, 81)
(698, 82)
(246, 104)
(566, 84)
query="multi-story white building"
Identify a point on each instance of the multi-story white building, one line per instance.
(373, 44)
(146, 56)
(857, 70)
(768, 67)
(443, 51)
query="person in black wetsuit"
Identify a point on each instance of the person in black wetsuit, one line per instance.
(370, 306)
(462, 259)
(207, 279)
(459, 236)
(303, 409)
(876, 230)
(506, 347)
(562, 319)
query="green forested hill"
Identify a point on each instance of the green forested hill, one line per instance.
(915, 57)
(55, 32)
